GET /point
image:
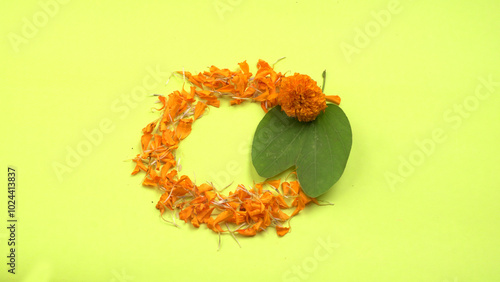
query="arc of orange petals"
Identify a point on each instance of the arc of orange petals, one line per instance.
(257, 208)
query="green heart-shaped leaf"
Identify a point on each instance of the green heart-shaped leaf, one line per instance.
(319, 149)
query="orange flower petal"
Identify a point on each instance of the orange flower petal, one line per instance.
(247, 232)
(282, 230)
(183, 128)
(199, 109)
(244, 67)
(333, 98)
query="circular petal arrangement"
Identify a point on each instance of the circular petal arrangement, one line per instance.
(301, 97)
(247, 210)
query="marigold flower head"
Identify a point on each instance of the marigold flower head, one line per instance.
(301, 97)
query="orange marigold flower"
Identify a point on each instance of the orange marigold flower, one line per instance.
(301, 97)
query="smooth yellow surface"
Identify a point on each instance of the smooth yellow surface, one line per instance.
(419, 200)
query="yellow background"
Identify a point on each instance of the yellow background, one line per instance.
(402, 212)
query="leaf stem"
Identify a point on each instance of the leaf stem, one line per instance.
(324, 80)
